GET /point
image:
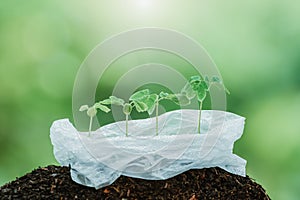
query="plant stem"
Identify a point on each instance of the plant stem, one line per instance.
(90, 127)
(156, 112)
(199, 117)
(126, 125)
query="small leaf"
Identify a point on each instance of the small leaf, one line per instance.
(150, 102)
(116, 101)
(174, 99)
(92, 111)
(102, 107)
(203, 86)
(195, 82)
(188, 91)
(201, 94)
(83, 108)
(127, 108)
(105, 102)
(139, 95)
(163, 95)
(140, 106)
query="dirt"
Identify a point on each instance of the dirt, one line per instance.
(54, 182)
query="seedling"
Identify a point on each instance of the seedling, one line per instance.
(135, 101)
(200, 87)
(92, 112)
(127, 107)
(197, 86)
(144, 101)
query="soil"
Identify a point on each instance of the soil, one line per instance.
(54, 182)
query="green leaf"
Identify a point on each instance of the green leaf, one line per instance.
(139, 95)
(92, 111)
(150, 102)
(140, 106)
(195, 78)
(203, 86)
(201, 94)
(195, 82)
(163, 95)
(83, 108)
(116, 101)
(173, 97)
(127, 108)
(188, 91)
(105, 102)
(102, 107)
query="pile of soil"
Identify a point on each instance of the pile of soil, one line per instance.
(54, 182)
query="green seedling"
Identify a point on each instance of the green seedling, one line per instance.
(92, 112)
(144, 101)
(197, 86)
(200, 88)
(135, 101)
(127, 107)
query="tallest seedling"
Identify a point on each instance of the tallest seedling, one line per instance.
(200, 87)
(197, 86)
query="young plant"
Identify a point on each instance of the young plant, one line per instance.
(144, 101)
(127, 107)
(135, 101)
(92, 112)
(199, 87)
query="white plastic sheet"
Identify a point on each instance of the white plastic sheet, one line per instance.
(99, 159)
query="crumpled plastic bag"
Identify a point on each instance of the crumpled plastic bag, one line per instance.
(99, 159)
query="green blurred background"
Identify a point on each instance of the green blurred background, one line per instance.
(255, 44)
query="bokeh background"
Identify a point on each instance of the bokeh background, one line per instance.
(255, 44)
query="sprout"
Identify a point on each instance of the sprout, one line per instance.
(138, 100)
(92, 112)
(199, 87)
(144, 101)
(127, 108)
(135, 101)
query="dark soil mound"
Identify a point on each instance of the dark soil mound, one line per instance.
(54, 182)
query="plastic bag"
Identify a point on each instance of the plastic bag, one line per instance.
(99, 159)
